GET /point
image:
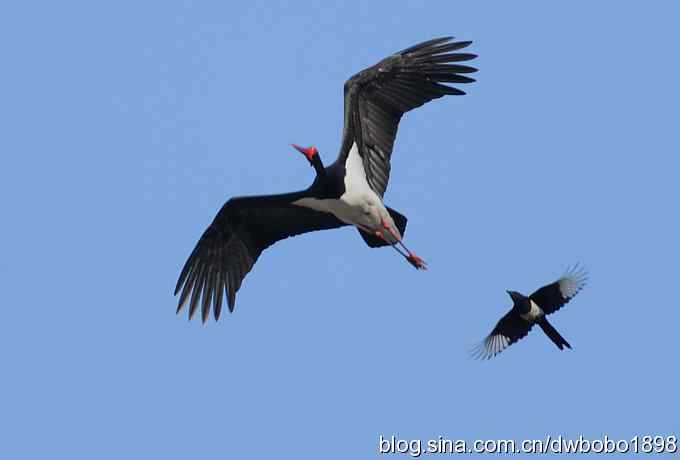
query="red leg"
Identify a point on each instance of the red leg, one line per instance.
(412, 258)
(392, 231)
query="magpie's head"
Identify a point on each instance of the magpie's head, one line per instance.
(516, 297)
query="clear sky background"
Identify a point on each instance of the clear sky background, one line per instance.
(126, 125)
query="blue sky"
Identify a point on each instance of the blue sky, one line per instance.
(127, 125)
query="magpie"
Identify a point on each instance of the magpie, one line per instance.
(527, 311)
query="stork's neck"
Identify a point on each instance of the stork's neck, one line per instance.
(318, 166)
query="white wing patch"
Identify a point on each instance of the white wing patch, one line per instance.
(490, 346)
(533, 313)
(573, 281)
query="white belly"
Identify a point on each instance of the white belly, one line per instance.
(534, 312)
(348, 212)
(359, 205)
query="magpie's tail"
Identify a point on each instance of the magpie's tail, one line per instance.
(551, 332)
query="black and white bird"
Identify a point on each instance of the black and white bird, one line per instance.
(527, 311)
(348, 192)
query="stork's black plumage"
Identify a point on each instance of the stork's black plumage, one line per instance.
(376, 99)
(229, 247)
(348, 192)
(527, 311)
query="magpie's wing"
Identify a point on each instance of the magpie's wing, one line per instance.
(377, 97)
(229, 247)
(508, 330)
(553, 296)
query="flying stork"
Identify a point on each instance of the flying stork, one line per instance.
(348, 192)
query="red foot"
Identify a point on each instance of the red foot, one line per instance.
(417, 262)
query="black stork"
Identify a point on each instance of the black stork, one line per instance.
(348, 192)
(527, 311)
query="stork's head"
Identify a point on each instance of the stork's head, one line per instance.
(312, 155)
(309, 152)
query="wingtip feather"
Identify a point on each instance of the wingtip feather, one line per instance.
(425, 44)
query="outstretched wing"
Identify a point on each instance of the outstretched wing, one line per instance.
(553, 296)
(377, 97)
(508, 330)
(229, 247)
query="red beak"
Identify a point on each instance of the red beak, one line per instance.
(308, 152)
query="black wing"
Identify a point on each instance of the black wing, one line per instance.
(377, 97)
(553, 296)
(508, 330)
(229, 247)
